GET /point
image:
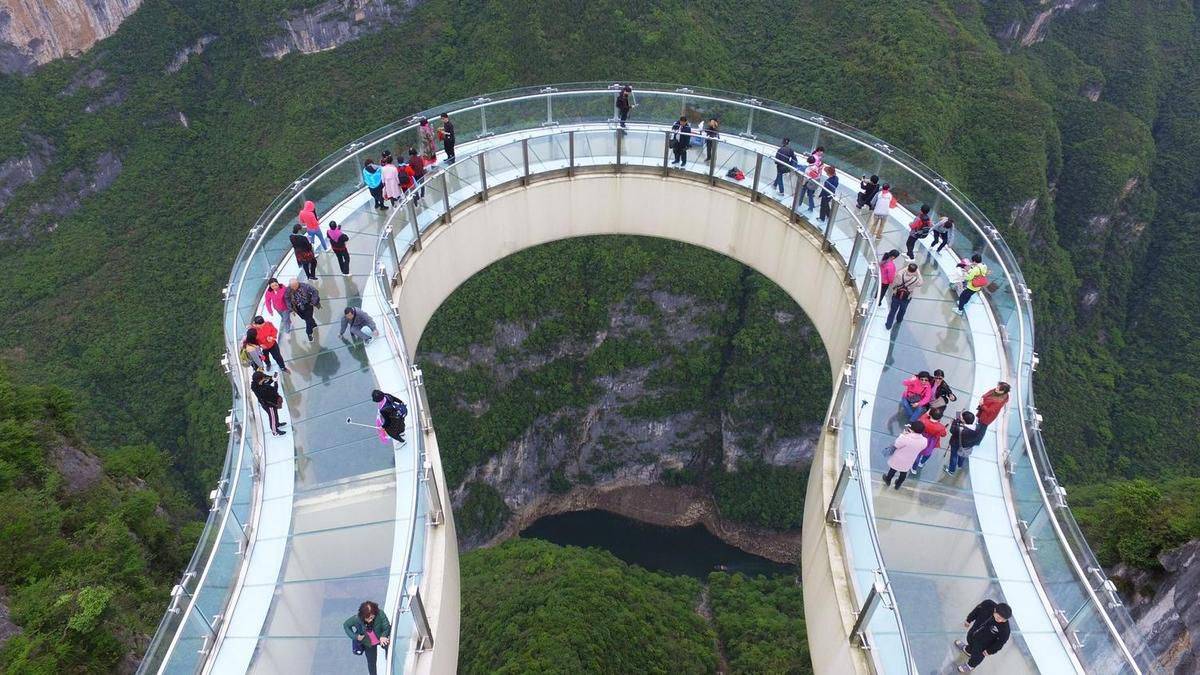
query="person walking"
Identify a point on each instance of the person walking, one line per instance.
(356, 320)
(963, 437)
(368, 630)
(887, 272)
(427, 140)
(417, 164)
(312, 226)
(711, 134)
(268, 338)
(306, 258)
(812, 180)
(681, 138)
(266, 390)
(905, 449)
(974, 280)
(785, 161)
(275, 303)
(392, 412)
(828, 192)
(446, 133)
(943, 394)
(251, 355)
(987, 632)
(881, 208)
(943, 232)
(903, 286)
(917, 393)
(624, 104)
(934, 432)
(991, 405)
(373, 178)
(338, 243)
(919, 228)
(303, 299)
(391, 180)
(867, 189)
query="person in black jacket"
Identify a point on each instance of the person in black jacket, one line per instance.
(987, 631)
(681, 138)
(624, 103)
(266, 390)
(306, 258)
(963, 436)
(392, 412)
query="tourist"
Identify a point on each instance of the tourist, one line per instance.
(266, 390)
(867, 188)
(711, 133)
(306, 258)
(356, 320)
(819, 153)
(417, 164)
(919, 228)
(943, 232)
(446, 133)
(681, 138)
(404, 173)
(935, 431)
(624, 104)
(903, 286)
(373, 178)
(427, 140)
(881, 207)
(887, 272)
(991, 405)
(942, 393)
(268, 339)
(987, 631)
(917, 392)
(312, 226)
(905, 449)
(368, 630)
(963, 437)
(338, 243)
(785, 161)
(391, 180)
(812, 177)
(828, 193)
(251, 354)
(303, 299)
(974, 280)
(275, 303)
(392, 412)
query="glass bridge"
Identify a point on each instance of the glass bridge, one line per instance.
(305, 526)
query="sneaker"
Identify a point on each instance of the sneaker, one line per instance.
(283, 424)
(897, 487)
(958, 311)
(946, 470)
(962, 646)
(287, 370)
(310, 337)
(964, 668)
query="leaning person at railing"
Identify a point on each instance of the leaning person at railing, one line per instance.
(373, 179)
(368, 630)
(866, 191)
(337, 241)
(711, 134)
(904, 451)
(785, 161)
(829, 189)
(812, 181)
(251, 355)
(681, 138)
(392, 412)
(974, 280)
(991, 405)
(624, 104)
(417, 164)
(356, 320)
(268, 339)
(391, 179)
(427, 138)
(881, 207)
(919, 228)
(303, 299)
(987, 632)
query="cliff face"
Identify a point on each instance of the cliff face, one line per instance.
(33, 32)
(1167, 609)
(332, 23)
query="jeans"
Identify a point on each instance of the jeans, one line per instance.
(343, 258)
(780, 172)
(912, 410)
(377, 195)
(887, 477)
(357, 333)
(809, 193)
(964, 298)
(919, 462)
(908, 245)
(956, 458)
(310, 324)
(680, 154)
(710, 149)
(273, 352)
(897, 310)
(317, 235)
(623, 115)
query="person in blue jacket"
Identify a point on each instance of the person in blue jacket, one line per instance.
(373, 177)
(831, 186)
(368, 630)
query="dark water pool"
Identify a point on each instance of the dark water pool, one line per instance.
(691, 551)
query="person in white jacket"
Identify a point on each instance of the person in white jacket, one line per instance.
(880, 208)
(908, 446)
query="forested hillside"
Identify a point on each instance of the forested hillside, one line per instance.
(130, 175)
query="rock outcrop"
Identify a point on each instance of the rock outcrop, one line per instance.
(33, 32)
(1167, 607)
(331, 24)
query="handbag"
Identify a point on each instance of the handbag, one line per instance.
(889, 450)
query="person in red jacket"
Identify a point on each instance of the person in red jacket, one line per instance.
(934, 432)
(919, 228)
(268, 339)
(308, 218)
(990, 406)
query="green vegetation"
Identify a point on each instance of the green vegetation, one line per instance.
(762, 494)
(760, 623)
(1132, 522)
(88, 548)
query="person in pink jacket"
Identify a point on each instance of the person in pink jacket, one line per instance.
(887, 273)
(918, 392)
(277, 304)
(908, 446)
(312, 227)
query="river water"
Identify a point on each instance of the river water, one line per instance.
(691, 551)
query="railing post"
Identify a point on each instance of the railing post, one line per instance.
(525, 160)
(828, 233)
(858, 634)
(483, 189)
(571, 150)
(436, 513)
(549, 109)
(666, 150)
(483, 122)
(750, 124)
(420, 620)
(411, 209)
(391, 239)
(712, 160)
(835, 411)
(445, 197)
(757, 177)
(833, 514)
(418, 379)
(854, 253)
(620, 137)
(796, 198)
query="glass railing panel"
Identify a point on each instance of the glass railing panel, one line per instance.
(593, 108)
(503, 164)
(514, 115)
(549, 153)
(1098, 652)
(653, 108)
(194, 641)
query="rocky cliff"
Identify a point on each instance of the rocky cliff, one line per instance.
(33, 32)
(1167, 607)
(333, 23)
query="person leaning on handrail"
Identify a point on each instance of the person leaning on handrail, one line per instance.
(368, 630)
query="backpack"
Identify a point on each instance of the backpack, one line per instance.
(735, 173)
(396, 408)
(924, 230)
(979, 282)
